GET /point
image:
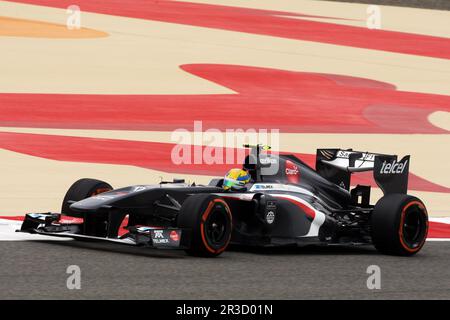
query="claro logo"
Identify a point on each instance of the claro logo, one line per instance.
(393, 167)
(292, 172)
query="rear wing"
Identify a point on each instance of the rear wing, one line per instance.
(337, 165)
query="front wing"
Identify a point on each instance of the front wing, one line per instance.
(54, 224)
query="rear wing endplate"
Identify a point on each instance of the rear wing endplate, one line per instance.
(337, 165)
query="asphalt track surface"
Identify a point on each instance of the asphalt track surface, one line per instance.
(37, 270)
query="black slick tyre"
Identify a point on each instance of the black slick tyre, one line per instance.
(399, 225)
(208, 217)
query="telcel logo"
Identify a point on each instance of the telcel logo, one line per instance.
(393, 167)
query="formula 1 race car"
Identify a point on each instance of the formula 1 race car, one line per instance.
(286, 203)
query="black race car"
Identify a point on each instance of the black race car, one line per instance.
(286, 203)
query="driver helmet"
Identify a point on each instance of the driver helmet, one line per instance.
(236, 178)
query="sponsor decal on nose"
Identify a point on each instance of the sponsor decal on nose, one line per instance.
(174, 236)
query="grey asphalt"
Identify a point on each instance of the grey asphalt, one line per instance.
(37, 270)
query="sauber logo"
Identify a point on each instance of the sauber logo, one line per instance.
(343, 154)
(393, 167)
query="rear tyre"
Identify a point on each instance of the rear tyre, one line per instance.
(399, 225)
(82, 189)
(209, 219)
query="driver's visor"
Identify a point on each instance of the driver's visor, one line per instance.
(230, 182)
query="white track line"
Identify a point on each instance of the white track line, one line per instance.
(8, 232)
(445, 220)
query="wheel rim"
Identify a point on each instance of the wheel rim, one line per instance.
(414, 226)
(216, 226)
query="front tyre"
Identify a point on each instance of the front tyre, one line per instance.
(399, 224)
(80, 190)
(209, 219)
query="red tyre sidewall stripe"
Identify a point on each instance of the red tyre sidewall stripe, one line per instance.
(400, 231)
(205, 217)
